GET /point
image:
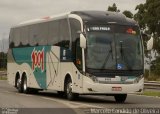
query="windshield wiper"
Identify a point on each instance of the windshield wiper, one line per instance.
(123, 57)
(121, 49)
(108, 55)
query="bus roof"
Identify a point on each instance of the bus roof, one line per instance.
(87, 17)
(104, 17)
(43, 19)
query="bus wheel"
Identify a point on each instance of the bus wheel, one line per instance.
(24, 85)
(19, 85)
(120, 98)
(68, 89)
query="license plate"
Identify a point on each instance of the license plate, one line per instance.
(116, 88)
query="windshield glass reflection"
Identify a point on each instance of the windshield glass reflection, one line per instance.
(116, 50)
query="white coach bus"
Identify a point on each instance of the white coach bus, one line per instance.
(79, 53)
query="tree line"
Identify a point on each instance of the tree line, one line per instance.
(3, 61)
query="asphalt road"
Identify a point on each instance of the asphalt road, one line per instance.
(50, 103)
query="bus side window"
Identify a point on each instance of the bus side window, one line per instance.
(53, 37)
(33, 35)
(42, 36)
(11, 39)
(24, 36)
(78, 61)
(64, 36)
(16, 38)
(75, 26)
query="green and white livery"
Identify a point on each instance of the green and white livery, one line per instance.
(78, 53)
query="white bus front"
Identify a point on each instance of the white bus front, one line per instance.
(113, 60)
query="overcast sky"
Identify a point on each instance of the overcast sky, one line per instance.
(13, 12)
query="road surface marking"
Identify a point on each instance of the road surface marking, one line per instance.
(146, 96)
(73, 104)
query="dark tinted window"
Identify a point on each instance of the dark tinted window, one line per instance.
(11, 38)
(42, 33)
(24, 35)
(33, 34)
(38, 34)
(75, 27)
(16, 37)
(59, 33)
(53, 32)
(64, 34)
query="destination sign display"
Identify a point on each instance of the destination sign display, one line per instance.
(114, 28)
(98, 28)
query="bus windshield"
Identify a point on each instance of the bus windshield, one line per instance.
(117, 49)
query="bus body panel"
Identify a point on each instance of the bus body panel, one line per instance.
(13, 69)
(91, 87)
(69, 68)
(51, 77)
(53, 68)
(32, 61)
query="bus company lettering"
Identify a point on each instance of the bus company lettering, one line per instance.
(37, 58)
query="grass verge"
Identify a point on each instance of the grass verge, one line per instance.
(151, 93)
(3, 78)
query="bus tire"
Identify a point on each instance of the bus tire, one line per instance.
(68, 90)
(19, 86)
(120, 98)
(17, 81)
(24, 85)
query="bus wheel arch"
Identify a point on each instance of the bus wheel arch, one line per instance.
(67, 77)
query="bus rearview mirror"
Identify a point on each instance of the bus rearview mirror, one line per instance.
(150, 43)
(82, 41)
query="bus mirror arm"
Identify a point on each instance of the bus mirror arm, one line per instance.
(79, 32)
(82, 41)
(150, 43)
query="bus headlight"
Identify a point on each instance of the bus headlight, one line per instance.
(138, 79)
(94, 78)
